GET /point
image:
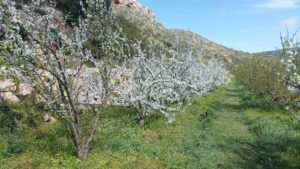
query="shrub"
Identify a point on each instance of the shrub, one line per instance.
(13, 115)
(7, 117)
(260, 75)
(14, 146)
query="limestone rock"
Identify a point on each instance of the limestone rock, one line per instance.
(24, 89)
(133, 5)
(9, 96)
(7, 86)
(60, 21)
(40, 99)
(49, 119)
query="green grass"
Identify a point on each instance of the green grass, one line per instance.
(226, 128)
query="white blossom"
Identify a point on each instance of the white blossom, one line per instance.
(289, 56)
(161, 83)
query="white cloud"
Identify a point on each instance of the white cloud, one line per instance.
(290, 22)
(279, 4)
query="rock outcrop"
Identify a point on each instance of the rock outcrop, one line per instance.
(24, 89)
(7, 90)
(9, 96)
(118, 1)
(49, 119)
(135, 6)
(11, 91)
(7, 86)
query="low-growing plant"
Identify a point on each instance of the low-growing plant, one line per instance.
(7, 117)
(14, 146)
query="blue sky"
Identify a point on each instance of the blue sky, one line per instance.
(248, 25)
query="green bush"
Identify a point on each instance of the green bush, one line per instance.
(7, 117)
(14, 146)
(15, 116)
(72, 9)
(260, 75)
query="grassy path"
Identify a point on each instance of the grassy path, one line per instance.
(224, 141)
(245, 136)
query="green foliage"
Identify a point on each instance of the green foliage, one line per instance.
(89, 64)
(72, 9)
(7, 117)
(14, 146)
(258, 102)
(15, 117)
(261, 76)
(19, 6)
(23, 1)
(133, 31)
(277, 145)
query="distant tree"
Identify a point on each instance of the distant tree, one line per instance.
(73, 10)
(107, 5)
(260, 76)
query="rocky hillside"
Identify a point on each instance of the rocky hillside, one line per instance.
(268, 54)
(141, 20)
(138, 23)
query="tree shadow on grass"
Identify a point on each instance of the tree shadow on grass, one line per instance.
(249, 100)
(225, 106)
(54, 140)
(270, 151)
(237, 92)
(275, 154)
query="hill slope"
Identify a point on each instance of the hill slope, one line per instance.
(139, 22)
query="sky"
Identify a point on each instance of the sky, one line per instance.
(247, 25)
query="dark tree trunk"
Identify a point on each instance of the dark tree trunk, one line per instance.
(141, 113)
(142, 118)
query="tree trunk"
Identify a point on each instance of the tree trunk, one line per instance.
(141, 113)
(81, 143)
(142, 118)
(82, 152)
(81, 148)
